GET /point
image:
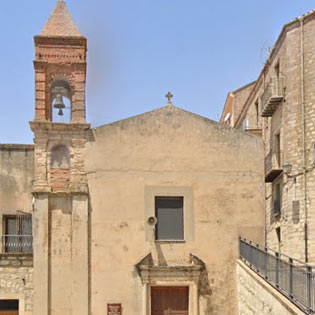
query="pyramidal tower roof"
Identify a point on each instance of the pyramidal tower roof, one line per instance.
(60, 22)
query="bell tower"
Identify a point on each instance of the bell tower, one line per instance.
(59, 125)
(60, 68)
(60, 213)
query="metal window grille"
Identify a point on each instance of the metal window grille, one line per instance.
(17, 244)
(18, 237)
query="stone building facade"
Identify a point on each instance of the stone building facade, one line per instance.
(140, 216)
(16, 263)
(282, 104)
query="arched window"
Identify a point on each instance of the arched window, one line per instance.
(61, 100)
(60, 157)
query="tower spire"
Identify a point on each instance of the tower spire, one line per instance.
(60, 22)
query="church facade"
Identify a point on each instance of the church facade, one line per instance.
(140, 216)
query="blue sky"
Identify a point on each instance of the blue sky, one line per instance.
(139, 50)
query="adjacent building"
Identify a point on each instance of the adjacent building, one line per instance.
(280, 105)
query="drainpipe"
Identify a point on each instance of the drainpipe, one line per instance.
(303, 139)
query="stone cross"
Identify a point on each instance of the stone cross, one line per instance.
(169, 96)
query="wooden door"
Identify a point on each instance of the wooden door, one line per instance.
(169, 300)
(9, 307)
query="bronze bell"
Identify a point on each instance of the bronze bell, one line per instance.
(59, 104)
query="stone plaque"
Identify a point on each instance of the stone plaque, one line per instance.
(114, 309)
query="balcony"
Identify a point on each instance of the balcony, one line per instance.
(17, 244)
(272, 97)
(273, 166)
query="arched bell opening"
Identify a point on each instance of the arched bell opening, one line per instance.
(61, 100)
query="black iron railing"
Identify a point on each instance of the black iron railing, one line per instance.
(293, 278)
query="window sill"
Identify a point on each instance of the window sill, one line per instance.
(16, 255)
(170, 241)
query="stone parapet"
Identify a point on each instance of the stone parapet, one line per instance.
(16, 147)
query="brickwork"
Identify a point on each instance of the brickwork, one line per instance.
(60, 185)
(60, 61)
(60, 58)
(60, 22)
(59, 179)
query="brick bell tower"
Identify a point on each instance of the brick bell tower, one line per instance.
(60, 214)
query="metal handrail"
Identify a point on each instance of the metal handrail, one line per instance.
(17, 244)
(293, 278)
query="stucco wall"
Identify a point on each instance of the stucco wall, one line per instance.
(16, 175)
(255, 296)
(171, 148)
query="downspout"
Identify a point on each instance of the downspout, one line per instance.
(265, 154)
(303, 141)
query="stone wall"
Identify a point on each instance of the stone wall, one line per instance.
(17, 283)
(240, 97)
(292, 60)
(256, 296)
(288, 120)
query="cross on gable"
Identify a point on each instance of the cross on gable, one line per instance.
(169, 95)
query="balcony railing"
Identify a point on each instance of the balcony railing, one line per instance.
(273, 166)
(17, 244)
(293, 278)
(272, 96)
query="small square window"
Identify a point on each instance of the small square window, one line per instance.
(170, 222)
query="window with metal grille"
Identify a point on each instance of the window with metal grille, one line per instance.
(17, 236)
(170, 219)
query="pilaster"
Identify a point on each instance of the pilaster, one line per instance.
(41, 250)
(80, 259)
